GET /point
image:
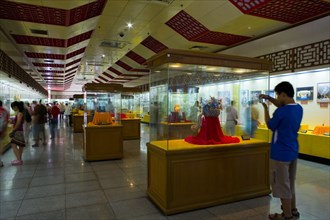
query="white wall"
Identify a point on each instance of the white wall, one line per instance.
(313, 114)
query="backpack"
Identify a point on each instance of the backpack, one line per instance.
(27, 116)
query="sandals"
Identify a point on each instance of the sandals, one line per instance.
(294, 212)
(281, 216)
(17, 162)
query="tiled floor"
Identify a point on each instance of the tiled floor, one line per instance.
(55, 183)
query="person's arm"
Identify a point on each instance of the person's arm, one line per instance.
(266, 113)
(271, 99)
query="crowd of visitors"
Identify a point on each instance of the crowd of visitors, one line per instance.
(29, 121)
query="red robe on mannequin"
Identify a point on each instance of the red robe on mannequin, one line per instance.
(211, 133)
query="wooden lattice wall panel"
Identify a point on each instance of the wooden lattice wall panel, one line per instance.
(310, 55)
(281, 60)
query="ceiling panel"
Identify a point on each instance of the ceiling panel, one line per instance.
(76, 29)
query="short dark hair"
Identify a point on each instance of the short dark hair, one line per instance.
(0, 103)
(285, 87)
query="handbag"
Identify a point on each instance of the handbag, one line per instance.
(12, 134)
(18, 138)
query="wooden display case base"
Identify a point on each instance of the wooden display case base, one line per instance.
(131, 128)
(103, 142)
(77, 122)
(183, 176)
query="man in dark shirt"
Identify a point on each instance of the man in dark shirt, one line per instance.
(39, 120)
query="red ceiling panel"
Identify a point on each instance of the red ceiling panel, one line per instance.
(54, 76)
(55, 56)
(86, 11)
(115, 71)
(32, 13)
(136, 57)
(51, 42)
(123, 65)
(75, 53)
(192, 30)
(44, 41)
(73, 68)
(45, 56)
(212, 37)
(79, 38)
(186, 25)
(47, 15)
(246, 6)
(68, 74)
(153, 44)
(73, 62)
(49, 65)
(290, 11)
(50, 71)
(104, 79)
(108, 75)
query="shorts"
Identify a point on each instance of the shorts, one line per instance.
(282, 178)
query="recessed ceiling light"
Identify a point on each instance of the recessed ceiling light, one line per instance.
(129, 25)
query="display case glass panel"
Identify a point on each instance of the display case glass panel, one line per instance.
(131, 103)
(183, 96)
(100, 102)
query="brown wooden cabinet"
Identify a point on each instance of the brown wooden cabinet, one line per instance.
(131, 128)
(183, 176)
(77, 122)
(103, 142)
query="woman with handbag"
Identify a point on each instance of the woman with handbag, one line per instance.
(17, 135)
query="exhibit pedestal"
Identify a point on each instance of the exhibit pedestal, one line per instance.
(103, 142)
(77, 122)
(183, 176)
(131, 128)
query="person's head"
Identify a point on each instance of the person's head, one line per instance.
(232, 103)
(0, 103)
(284, 92)
(17, 106)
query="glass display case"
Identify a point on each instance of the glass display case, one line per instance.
(145, 107)
(103, 137)
(130, 112)
(196, 100)
(180, 93)
(78, 102)
(77, 113)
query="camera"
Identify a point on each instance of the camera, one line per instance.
(262, 100)
(121, 34)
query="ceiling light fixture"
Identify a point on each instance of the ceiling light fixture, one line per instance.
(129, 25)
